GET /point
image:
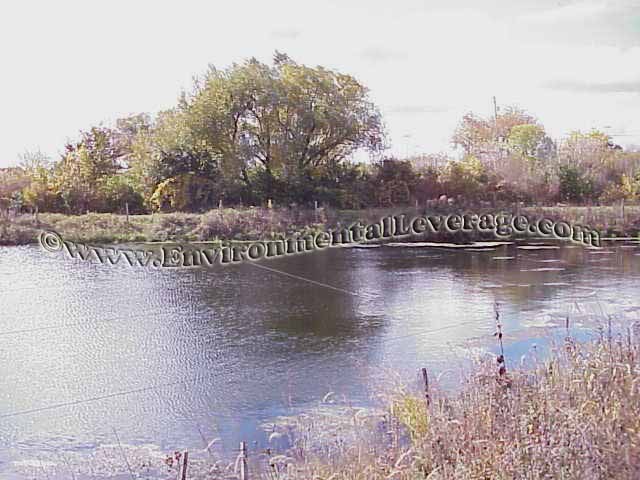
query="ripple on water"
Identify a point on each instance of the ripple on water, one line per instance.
(250, 345)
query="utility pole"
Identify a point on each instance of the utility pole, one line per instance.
(407, 138)
(495, 126)
(244, 472)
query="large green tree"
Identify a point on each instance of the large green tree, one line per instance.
(86, 166)
(267, 126)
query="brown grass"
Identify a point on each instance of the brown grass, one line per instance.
(262, 223)
(575, 415)
(226, 224)
(609, 220)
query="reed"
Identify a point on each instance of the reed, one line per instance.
(575, 415)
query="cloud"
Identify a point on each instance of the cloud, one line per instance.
(288, 33)
(613, 22)
(580, 86)
(416, 109)
(381, 54)
(576, 11)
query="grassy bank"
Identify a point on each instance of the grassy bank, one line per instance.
(262, 223)
(575, 415)
(238, 224)
(611, 221)
(224, 224)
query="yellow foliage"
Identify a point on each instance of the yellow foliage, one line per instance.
(183, 192)
(412, 413)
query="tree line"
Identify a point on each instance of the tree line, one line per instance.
(257, 133)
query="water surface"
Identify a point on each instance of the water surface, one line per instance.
(169, 357)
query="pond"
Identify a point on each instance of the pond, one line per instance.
(173, 357)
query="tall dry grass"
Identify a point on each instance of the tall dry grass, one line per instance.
(573, 415)
(224, 224)
(609, 220)
(263, 223)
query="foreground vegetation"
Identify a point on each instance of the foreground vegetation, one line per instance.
(573, 415)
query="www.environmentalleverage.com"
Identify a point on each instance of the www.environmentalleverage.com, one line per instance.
(502, 225)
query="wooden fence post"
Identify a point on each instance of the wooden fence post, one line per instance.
(126, 209)
(425, 378)
(182, 471)
(244, 471)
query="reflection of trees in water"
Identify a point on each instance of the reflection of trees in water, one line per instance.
(394, 268)
(275, 316)
(285, 312)
(297, 340)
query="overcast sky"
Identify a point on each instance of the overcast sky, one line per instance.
(67, 65)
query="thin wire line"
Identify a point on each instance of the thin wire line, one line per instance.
(74, 324)
(51, 287)
(66, 325)
(87, 400)
(189, 381)
(314, 282)
(57, 286)
(199, 377)
(62, 325)
(192, 379)
(112, 395)
(379, 340)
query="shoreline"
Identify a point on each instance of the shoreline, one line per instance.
(251, 224)
(538, 416)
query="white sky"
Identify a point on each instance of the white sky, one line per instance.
(67, 65)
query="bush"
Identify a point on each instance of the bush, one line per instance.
(575, 186)
(117, 191)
